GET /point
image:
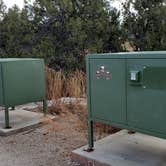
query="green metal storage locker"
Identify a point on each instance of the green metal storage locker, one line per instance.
(21, 81)
(127, 90)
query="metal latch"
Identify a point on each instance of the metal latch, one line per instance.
(134, 75)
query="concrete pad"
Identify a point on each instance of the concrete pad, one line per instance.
(122, 149)
(21, 120)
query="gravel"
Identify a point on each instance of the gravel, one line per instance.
(50, 145)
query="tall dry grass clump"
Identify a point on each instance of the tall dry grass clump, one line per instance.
(75, 84)
(61, 85)
(55, 82)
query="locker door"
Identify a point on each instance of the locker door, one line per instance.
(146, 94)
(107, 89)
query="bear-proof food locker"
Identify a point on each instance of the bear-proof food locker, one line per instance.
(127, 90)
(21, 81)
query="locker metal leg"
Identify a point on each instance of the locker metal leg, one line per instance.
(90, 137)
(7, 118)
(44, 107)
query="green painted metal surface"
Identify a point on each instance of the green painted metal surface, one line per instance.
(127, 90)
(152, 77)
(146, 103)
(1, 88)
(21, 81)
(107, 101)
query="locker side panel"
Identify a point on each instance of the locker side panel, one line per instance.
(24, 81)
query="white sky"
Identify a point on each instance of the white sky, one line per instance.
(117, 4)
(20, 3)
(10, 3)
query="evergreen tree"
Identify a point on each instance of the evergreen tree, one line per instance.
(61, 31)
(2, 13)
(2, 10)
(16, 34)
(68, 29)
(145, 24)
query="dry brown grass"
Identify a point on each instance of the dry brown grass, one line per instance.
(61, 85)
(75, 84)
(53, 125)
(78, 113)
(54, 81)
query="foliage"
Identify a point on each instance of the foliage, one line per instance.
(61, 31)
(145, 24)
(2, 9)
(16, 34)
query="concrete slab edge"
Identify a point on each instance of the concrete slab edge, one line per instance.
(9, 132)
(85, 161)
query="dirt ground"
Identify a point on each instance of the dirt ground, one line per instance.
(51, 144)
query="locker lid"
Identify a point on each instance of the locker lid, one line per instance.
(130, 55)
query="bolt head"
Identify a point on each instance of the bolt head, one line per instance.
(97, 72)
(102, 68)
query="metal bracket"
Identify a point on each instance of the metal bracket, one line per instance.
(131, 132)
(103, 73)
